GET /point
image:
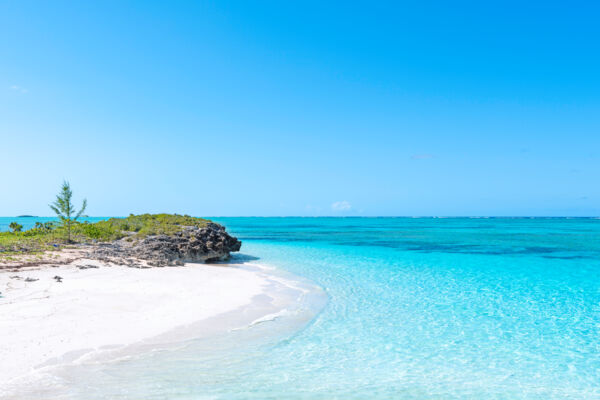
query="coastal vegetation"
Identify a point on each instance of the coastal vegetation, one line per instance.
(15, 227)
(158, 239)
(140, 226)
(46, 236)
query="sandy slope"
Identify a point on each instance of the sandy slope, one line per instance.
(41, 321)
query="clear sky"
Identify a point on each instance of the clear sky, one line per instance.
(301, 108)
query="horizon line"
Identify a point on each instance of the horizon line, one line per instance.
(345, 216)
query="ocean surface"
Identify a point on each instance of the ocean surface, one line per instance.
(29, 222)
(424, 308)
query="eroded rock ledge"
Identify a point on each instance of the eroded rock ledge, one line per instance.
(146, 240)
(192, 244)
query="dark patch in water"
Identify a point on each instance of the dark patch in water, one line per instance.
(238, 257)
(569, 257)
(535, 250)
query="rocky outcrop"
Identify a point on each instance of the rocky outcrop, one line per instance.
(191, 244)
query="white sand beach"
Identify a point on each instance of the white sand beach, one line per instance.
(45, 322)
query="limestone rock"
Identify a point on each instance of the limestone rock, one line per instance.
(191, 244)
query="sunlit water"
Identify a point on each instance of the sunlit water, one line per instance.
(29, 222)
(417, 309)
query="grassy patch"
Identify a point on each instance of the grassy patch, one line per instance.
(146, 225)
(135, 226)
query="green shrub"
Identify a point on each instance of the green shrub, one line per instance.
(44, 236)
(15, 227)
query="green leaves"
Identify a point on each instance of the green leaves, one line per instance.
(63, 207)
(45, 236)
(83, 206)
(149, 224)
(15, 227)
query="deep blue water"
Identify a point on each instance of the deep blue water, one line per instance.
(418, 309)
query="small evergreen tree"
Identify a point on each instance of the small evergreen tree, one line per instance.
(15, 227)
(64, 208)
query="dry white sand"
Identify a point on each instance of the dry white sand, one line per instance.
(41, 321)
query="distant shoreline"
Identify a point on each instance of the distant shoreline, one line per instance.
(345, 216)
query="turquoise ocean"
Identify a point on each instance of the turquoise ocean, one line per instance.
(417, 308)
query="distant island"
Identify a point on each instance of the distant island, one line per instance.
(27, 216)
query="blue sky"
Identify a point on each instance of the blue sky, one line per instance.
(306, 108)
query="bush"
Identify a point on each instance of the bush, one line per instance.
(99, 232)
(15, 227)
(44, 236)
(152, 224)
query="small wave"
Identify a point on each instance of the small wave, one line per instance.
(271, 317)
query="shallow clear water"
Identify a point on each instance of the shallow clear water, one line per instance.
(418, 309)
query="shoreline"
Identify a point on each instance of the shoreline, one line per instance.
(100, 313)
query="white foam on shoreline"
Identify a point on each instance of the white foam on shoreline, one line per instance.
(271, 317)
(100, 314)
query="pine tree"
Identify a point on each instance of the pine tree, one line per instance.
(64, 208)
